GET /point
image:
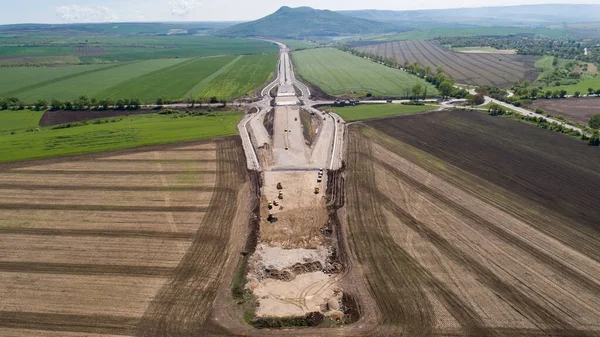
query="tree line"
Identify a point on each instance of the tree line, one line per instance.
(81, 103)
(86, 103)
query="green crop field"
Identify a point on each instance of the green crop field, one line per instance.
(126, 132)
(19, 120)
(71, 48)
(247, 74)
(337, 73)
(368, 111)
(15, 79)
(172, 82)
(92, 83)
(173, 79)
(582, 86)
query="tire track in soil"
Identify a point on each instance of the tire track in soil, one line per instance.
(471, 60)
(514, 64)
(502, 234)
(364, 181)
(401, 47)
(449, 61)
(100, 324)
(182, 306)
(447, 66)
(28, 187)
(108, 208)
(109, 173)
(159, 235)
(530, 309)
(84, 269)
(394, 284)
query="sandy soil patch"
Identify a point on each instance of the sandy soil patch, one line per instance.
(306, 293)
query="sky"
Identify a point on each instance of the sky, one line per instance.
(70, 11)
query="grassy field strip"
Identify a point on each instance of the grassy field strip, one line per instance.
(195, 89)
(15, 79)
(368, 111)
(177, 79)
(242, 78)
(130, 132)
(337, 73)
(19, 120)
(91, 84)
(582, 86)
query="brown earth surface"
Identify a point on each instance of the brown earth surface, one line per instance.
(578, 110)
(465, 224)
(129, 242)
(477, 69)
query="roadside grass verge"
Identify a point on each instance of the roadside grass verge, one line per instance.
(119, 133)
(338, 73)
(369, 111)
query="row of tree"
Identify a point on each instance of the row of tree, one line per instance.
(81, 103)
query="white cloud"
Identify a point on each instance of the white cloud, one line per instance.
(183, 7)
(77, 13)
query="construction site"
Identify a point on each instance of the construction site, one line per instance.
(294, 271)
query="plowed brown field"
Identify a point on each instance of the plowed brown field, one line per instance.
(468, 225)
(578, 110)
(133, 242)
(467, 68)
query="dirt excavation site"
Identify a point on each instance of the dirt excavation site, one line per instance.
(294, 271)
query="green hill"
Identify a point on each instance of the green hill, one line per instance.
(305, 22)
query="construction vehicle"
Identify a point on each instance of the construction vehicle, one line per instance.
(271, 218)
(270, 205)
(280, 195)
(317, 190)
(279, 186)
(275, 203)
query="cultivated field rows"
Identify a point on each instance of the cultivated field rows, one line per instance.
(125, 244)
(468, 68)
(447, 258)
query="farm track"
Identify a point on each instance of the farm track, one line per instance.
(100, 324)
(184, 303)
(561, 299)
